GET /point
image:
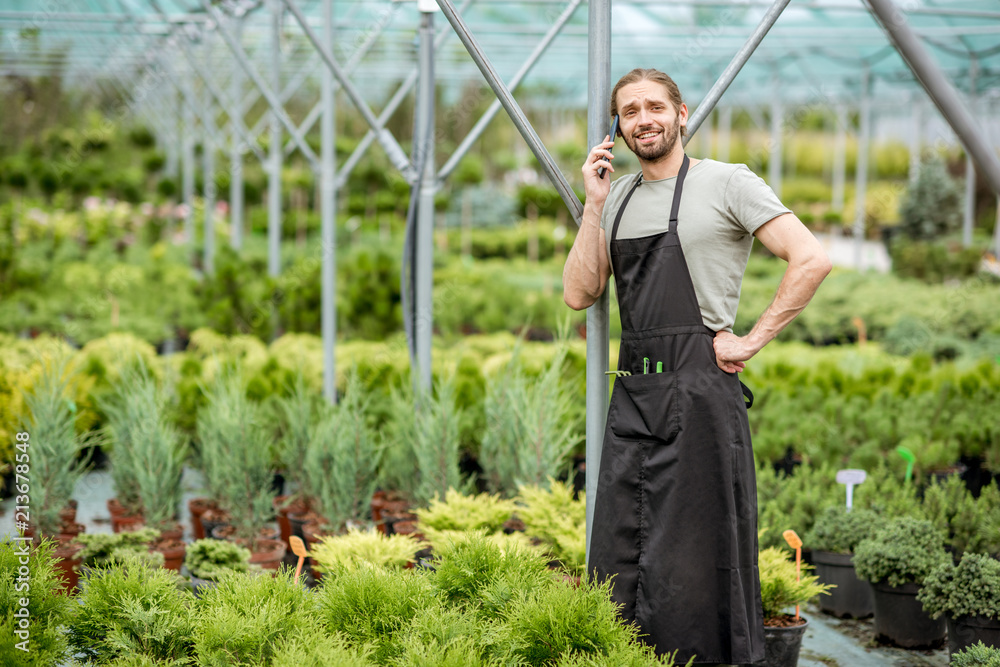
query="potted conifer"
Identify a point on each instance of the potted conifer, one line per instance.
(896, 560)
(832, 539)
(208, 560)
(969, 596)
(782, 587)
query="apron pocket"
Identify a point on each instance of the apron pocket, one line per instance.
(644, 407)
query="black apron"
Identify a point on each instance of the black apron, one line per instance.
(675, 517)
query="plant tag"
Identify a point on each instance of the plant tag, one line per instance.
(851, 477)
(792, 538)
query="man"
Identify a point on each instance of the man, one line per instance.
(675, 520)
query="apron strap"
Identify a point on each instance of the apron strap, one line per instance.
(621, 209)
(675, 206)
(747, 395)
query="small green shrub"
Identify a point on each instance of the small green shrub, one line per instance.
(932, 205)
(364, 548)
(241, 619)
(466, 513)
(317, 651)
(127, 609)
(210, 559)
(978, 655)
(371, 607)
(780, 585)
(38, 583)
(558, 520)
(904, 550)
(972, 588)
(101, 549)
(446, 637)
(839, 531)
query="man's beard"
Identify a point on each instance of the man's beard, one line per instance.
(659, 150)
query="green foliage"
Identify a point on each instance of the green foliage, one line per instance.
(977, 655)
(236, 454)
(904, 550)
(529, 430)
(147, 448)
(370, 607)
(932, 205)
(55, 447)
(839, 531)
(103, 549)
(240, 620)
(934, 262)
(558, 520)
(317, 651)
(437, 425)
(210, 559)
(970, 589)
(794, 501)
(126, 609)
(342, 458)
(969, 524)
(780, 585)
(458, 512)
(38, 585)
(296, 414)
(364, 548)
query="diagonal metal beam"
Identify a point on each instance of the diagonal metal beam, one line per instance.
(494, 107)
(390, 108)
(728, 75)
(392, 148)
(272, 99)
(944, 96)
(512, 108)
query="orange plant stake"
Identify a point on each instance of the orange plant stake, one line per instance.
(299, 549)
(794, 542)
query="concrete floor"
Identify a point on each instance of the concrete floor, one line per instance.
(828, 642)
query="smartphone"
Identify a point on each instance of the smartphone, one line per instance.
(612, 133)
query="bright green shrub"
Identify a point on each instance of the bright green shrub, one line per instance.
(128, 608)
(240, 621)
(317, 650)
(978, 655)
(47, 608)
(558, 520)
(839, 531)
(903, 551)
(972, 588)
(782, 586)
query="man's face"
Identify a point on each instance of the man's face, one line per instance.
(649, 123)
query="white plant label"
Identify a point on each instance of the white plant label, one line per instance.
(851, 477)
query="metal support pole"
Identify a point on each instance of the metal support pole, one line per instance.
(235, 151)
(274, 152)
(861, 170)
(494, 107)
(938, 88)
(512, 108)
(392, 148)
(172, 168)
(725, 133)
(839, 159)
(969, 214)
(424, 265)
(265, 90)
(733, 68)
(774, 163)
(187, 167)
(916, 134)
(208, 184)
(328, 211)
(598, 93)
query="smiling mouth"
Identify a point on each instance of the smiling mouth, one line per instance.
(647, 136)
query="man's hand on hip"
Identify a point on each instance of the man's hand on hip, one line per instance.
(732, 351)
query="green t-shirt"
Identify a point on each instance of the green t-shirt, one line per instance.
(721, 207)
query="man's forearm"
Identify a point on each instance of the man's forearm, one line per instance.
(797, 287)
(585, 273)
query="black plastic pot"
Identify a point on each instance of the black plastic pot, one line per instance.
(211, 525)
(965, 631)
(900, 619)
(852, 597)
(782, 645)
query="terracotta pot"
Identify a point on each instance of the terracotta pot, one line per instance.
(315, 531)
(212, 518)
(173, 553)
(115, 507)
(175, 533)
(379, 499)
(297, 521)
(227, 532)
(197, 507)
(269, 554)
(282, 512)
(126, 522)
(406, 527)
(69, 532)
(66, 563)
(68, 514)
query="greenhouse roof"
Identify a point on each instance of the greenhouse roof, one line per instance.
(817, 51)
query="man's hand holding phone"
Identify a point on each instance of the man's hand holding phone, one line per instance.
(598, 162)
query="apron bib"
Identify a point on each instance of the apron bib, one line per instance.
(675, 517)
